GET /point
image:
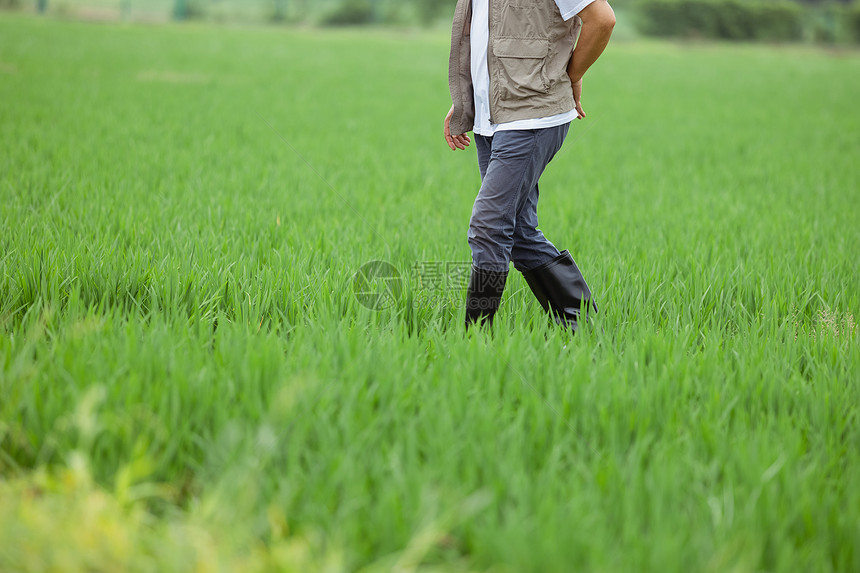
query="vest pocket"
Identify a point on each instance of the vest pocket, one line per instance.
(521, 67)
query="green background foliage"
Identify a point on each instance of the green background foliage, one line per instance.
(722, 19)
(745, 20)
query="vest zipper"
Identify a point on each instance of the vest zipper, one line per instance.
(490, 47)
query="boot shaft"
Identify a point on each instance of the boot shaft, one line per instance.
(561, 289)
(484, 295)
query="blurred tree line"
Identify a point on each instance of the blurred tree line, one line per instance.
(326, 12)
(371, 11)
(762, 20)
(747, 20)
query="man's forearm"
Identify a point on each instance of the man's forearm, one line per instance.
(598, 20)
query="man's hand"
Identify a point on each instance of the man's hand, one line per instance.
(577, 97)
(459, 141)
(598, 20)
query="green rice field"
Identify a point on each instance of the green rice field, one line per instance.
(199, 372)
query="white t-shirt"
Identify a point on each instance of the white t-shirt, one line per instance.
(480, 31)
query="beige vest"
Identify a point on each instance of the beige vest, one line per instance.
(530, 47)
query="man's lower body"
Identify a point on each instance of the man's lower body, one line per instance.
(503, 229)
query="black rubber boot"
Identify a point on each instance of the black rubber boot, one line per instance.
(560, 288)
(484, 295)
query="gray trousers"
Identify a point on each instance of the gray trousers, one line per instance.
(503, 227)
